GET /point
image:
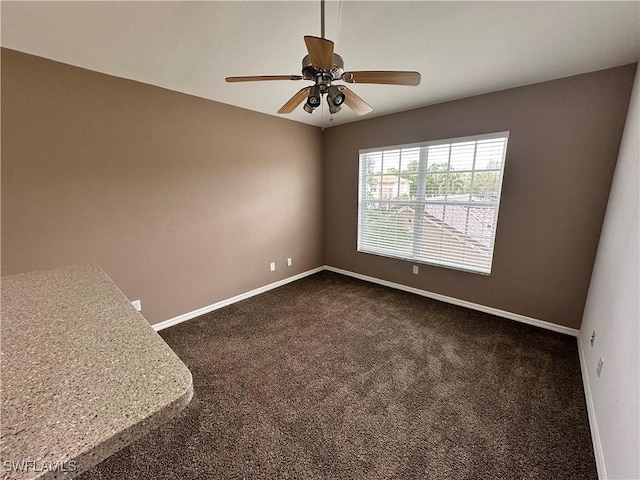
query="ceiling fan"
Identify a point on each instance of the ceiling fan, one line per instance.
(323, 67)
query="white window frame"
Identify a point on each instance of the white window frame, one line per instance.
(415, 256)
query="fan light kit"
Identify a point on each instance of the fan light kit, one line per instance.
(323, 67)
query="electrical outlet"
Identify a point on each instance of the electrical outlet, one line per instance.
(137, 304)
(273, 266)
(415, 269)
(289, 262)
(599, 369)
(593, 337)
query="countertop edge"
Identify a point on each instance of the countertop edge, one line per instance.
(144, 427)
(53, 302)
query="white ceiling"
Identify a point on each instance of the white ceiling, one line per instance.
(460, 48)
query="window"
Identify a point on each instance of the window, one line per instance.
(434, 202)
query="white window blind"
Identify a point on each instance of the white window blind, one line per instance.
(435, 202)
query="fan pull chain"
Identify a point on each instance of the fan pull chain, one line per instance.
(322, 111)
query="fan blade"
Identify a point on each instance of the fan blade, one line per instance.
(294, 101)
(383, 77)
(264, 77)
(320, 52)
(354, 102)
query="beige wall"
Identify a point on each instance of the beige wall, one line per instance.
(562, 151)
(183, 201)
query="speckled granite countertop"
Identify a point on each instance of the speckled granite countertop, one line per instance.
(83, 374)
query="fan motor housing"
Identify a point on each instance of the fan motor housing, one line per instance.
(312, 73)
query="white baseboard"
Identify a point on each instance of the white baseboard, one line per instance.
(436, 296)
(593, 423)
(462, 303)
(223, 303)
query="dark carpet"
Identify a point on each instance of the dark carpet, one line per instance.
(335, 378)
